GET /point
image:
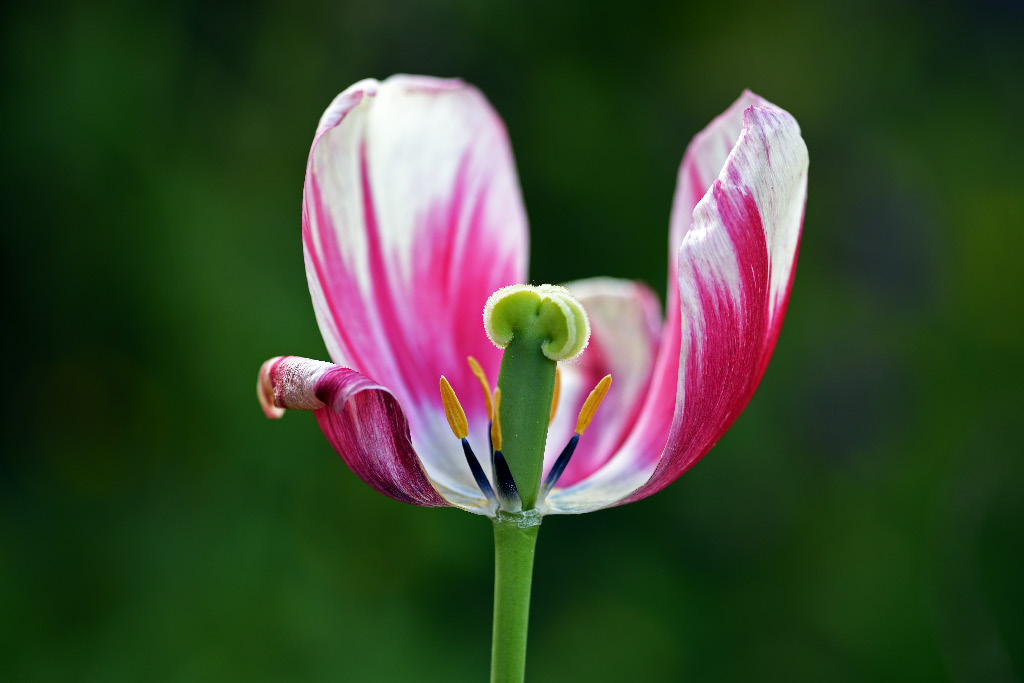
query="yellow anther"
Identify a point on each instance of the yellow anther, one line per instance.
(591, 404)
(496, 422)
(554, 395)
(479, 372)
(453, 410)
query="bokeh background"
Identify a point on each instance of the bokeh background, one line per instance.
(863, 521)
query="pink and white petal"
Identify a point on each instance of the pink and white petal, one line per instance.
(364, 423)
(625, 321)
(736, 266)
(704, 160)
(412, 217)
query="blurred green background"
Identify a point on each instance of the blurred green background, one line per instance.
(863, 521)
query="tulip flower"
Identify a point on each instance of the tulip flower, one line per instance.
(413, 224)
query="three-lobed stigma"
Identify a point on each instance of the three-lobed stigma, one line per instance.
(548, 312)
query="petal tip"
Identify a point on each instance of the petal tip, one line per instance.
(265, 389)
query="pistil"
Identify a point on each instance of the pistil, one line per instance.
(536, 327)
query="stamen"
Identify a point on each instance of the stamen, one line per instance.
(590, 407)
(559, 466)
(479, 372)
(478, 472)
(554, 395)
(505, 485)
(507, 491)
(496, 422)
(453, 410)
(460, 427)
(591, 404)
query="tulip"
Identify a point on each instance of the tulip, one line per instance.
(413, 223)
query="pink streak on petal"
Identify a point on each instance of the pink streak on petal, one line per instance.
(704, 160)
(384, 301)
(736, 270)
(366, 426)
(361, 420)
(411, 217)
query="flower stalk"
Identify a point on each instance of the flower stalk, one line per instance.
(514, 545)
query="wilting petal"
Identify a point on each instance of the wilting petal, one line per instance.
(625, 322)
(363, 422)
(412, 216)
(736, 265)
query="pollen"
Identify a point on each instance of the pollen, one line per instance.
(591, 404)
(453, 410)
(555, 393)
(496, 422)
(482, 377)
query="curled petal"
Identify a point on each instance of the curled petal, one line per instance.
(735, 271)
(412, 216)
(361, 420)
(265, 390)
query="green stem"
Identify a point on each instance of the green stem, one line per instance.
(513, 574)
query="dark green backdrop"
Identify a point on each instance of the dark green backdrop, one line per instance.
(861, 522)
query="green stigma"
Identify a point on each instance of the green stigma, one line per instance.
(536, 326)
(546, 312)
